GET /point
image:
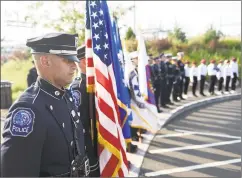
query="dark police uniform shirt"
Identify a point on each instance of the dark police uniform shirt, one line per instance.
(177, 74)
(181, 67)
(32, 76)
(81, 98)
(38, 133)
(157, 73)
(170, 70)
(163, 68)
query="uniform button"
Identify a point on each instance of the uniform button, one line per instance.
(71, 99)
(51, 107)
(78, 113)
(85, 147)
(84, 131)
(77, 121)
(57, 93)
(63, 125)
(73, 168)
(73, 113)
(72, 145)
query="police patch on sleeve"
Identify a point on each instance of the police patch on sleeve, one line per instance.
(22, 122)
(77, 97)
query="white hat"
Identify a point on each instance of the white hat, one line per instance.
(174, 58)
(180, 54)
(133, 54)
(168, 55)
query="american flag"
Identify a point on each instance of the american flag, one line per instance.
(111, 143)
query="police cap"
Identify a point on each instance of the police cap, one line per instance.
(169, 55)
(61, 44)
(81, 52)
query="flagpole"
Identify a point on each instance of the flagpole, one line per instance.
(134, 17)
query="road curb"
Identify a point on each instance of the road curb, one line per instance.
(135, 170)
(195, 104)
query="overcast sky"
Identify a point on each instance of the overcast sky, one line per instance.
(194, 17)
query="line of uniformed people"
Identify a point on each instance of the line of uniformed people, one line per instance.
(171, 76)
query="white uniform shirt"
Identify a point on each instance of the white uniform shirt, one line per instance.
(193, 72)
(211, 69)
(220, 73)
(202, 70)
(234, 68)
(227, 70)
(187, 70)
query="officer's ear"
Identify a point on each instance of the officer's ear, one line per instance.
(45, 60)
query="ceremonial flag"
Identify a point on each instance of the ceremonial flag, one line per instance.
(144, 72)
(111, 143)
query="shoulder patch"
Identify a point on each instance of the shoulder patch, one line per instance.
(77, 97)
(22, 122)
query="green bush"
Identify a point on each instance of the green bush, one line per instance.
(230, 44)
(16, 72)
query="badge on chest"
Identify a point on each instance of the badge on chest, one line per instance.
(77, 97)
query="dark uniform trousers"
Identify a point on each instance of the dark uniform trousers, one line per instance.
(220, 84)
(234, 80)
(84, 102)
(213, 80)
(156, 83)
(202, 82)
(182, 74)
(163, 87)
(163, 83)
(228, 78)
(187, 81)
(176, 84)
(32, 76)
(43, 135)
(169, 88)
(194, 85)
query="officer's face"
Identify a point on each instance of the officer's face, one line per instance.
(135, 61)
(82, 65)
(63, 70)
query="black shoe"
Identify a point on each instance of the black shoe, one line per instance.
(159, 111)
(204, 94)
(170, 103)
(132, 148)
(182, 98)
(195, 95)
(135, 138)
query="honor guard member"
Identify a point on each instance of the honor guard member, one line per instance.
(170, 78)
(181, 66)
(85, 106)
(235, 73)
(220, 76)
(202, 73)
(193, 78)
(212, 70)
(157, 82)
(43, 135)
(187, 78)
(163, 80)
(32, 76)
(177, 80)
(227, 75)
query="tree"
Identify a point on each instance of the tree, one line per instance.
(178, 35)
(130, 34)
(71, 19)
(211, 38)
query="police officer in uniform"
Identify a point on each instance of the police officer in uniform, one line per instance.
(177, 80)
(43, 134)
(163, 81)
(157, 82)
(85, 105)
(182, 73)
(32, 76)
(170, 78)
